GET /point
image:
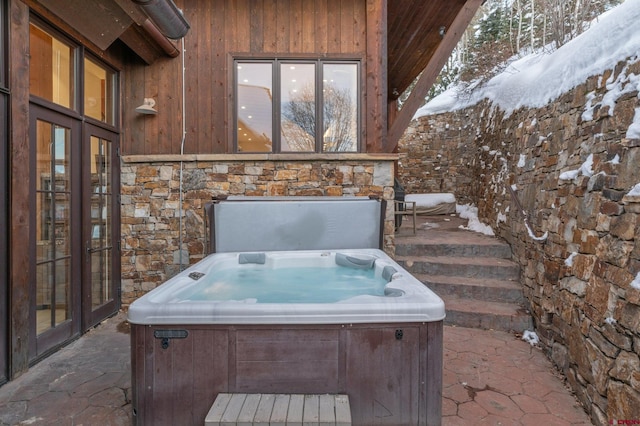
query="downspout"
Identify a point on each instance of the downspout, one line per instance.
(184, 135)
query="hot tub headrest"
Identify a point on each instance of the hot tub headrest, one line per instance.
(354, 261)
(387, 272)
(258, 258)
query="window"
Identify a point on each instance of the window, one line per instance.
(51, 72)
(99, 95)
(296, 106)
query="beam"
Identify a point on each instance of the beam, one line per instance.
(431, 72)
(376, 77)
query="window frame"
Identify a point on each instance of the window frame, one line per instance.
(276, 139)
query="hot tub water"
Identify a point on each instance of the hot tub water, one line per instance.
(260, 284)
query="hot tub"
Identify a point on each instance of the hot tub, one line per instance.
(348, 321)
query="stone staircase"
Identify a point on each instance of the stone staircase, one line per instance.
(471, 272)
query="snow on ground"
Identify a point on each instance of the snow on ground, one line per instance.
(531, 337)
(538, 79)
(467, 211)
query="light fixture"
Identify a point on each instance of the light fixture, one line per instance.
(147, 107)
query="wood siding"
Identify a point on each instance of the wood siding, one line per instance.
(223, 29)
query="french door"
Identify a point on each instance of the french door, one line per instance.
(75, 228)
(101, 214)
(55, 219)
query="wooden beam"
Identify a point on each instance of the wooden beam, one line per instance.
(431, 72)
(19, 207)
(376, 77)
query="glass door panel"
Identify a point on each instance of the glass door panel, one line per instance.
(53, 229)
(101, 278)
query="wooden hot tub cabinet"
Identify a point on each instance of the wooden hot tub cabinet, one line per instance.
(392, 372)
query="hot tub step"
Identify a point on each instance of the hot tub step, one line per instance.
(279, 409)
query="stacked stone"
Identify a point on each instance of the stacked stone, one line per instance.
(150, 231)
(580, 259)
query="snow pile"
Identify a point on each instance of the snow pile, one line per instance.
(531, 337)
(636, 282)
(431, 200)
(585, 169)
(538, 79)
(470, 212)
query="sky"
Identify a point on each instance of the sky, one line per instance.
(539, 78)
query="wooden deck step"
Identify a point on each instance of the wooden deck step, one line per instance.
(279, 409)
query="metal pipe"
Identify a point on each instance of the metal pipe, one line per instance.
(166, 16)
(164, 43)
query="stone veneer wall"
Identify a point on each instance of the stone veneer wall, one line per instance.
(150, 192)
(578, 279)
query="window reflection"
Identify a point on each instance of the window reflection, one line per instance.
(298, 107)
(254, 107)
(311, 114)
(340, 107)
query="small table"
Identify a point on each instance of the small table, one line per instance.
(406, 208)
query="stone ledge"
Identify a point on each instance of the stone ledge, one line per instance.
(258, 157)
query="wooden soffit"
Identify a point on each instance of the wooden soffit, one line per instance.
(99, 23)
(414, 34)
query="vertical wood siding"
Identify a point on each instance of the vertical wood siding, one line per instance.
(250, 28)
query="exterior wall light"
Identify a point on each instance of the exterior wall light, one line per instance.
(147, 107)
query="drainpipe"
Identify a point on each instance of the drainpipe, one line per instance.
(166, 16)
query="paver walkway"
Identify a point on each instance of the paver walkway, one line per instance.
(490, 378)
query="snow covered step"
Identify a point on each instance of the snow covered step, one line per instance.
(486, 315)
(490, 290)
(468, 267)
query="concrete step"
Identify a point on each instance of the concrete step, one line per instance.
(488, 248)
(486, 315)
(467, 267)
(490, 290)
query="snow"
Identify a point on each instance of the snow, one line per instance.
(538, 79)
(470, 212)
(610, 320)
(533, 236)
(635, 191)
(569, 260)
(636, 282)
(531, 337)
(522, 160)
(431, 200)
(586, 169)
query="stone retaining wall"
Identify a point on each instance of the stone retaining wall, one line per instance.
(582, 253)
(153, 248)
